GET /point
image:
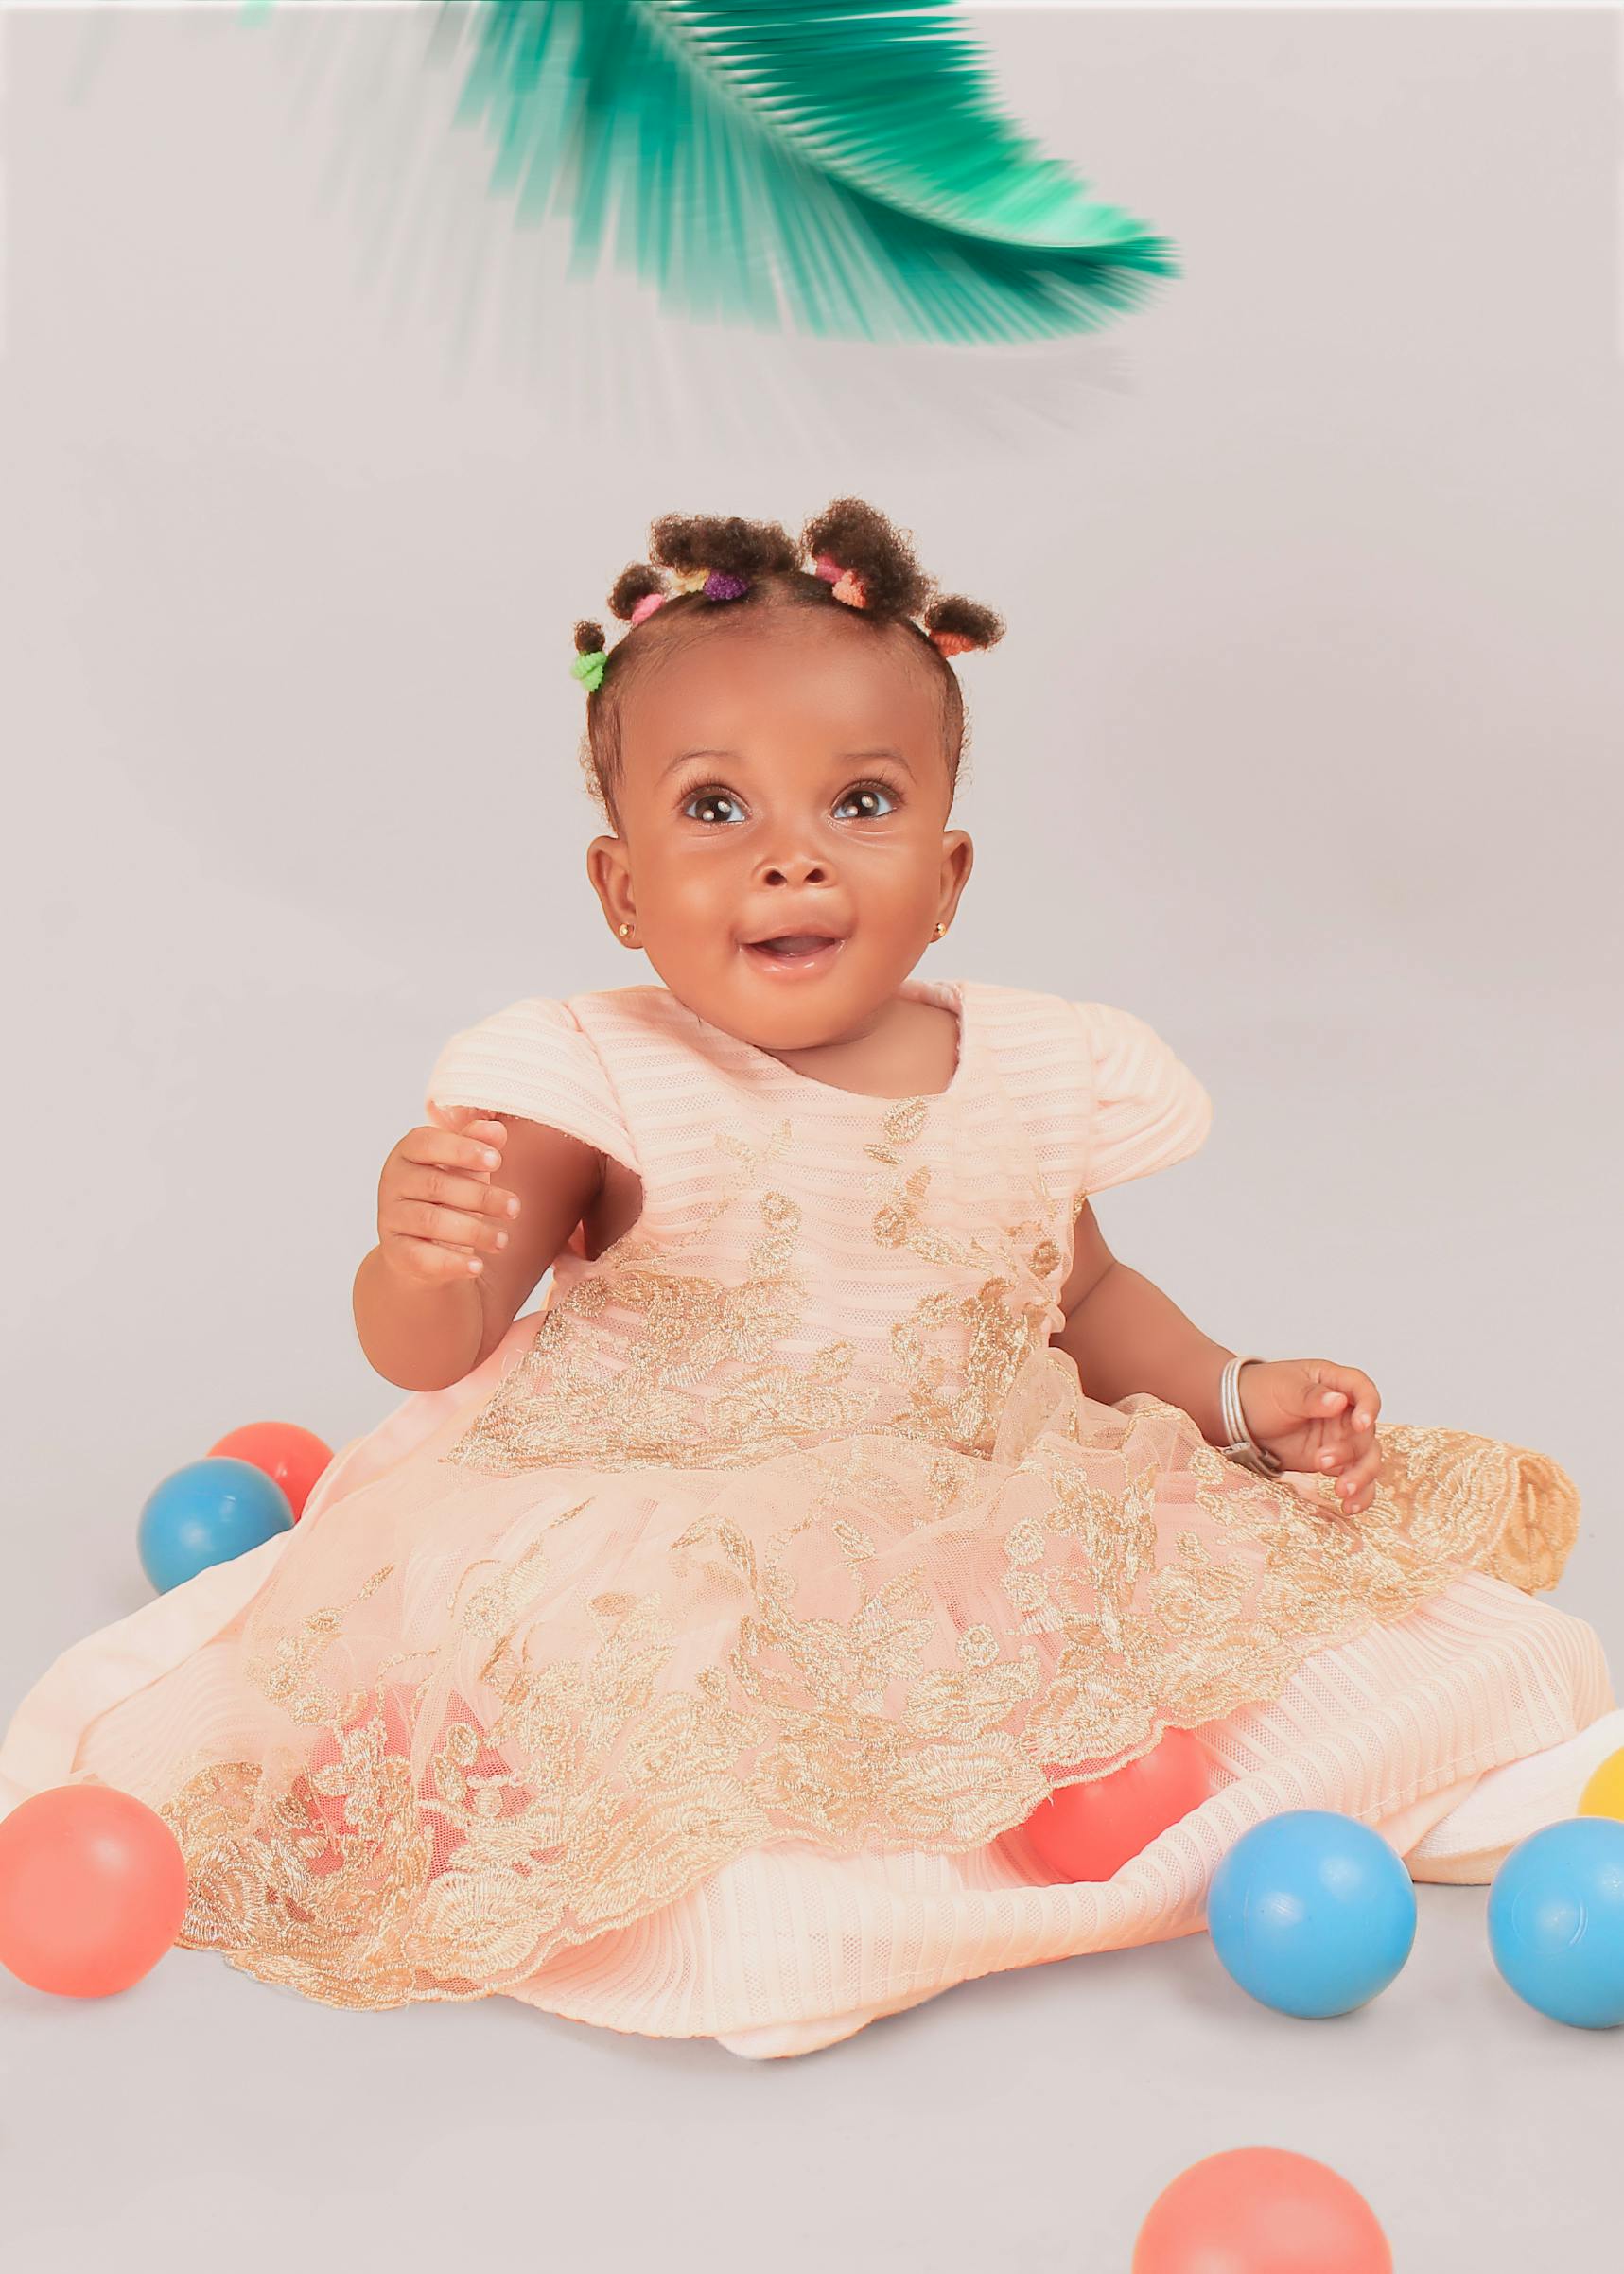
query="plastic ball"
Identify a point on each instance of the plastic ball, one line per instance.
(1261, 2211)
(1311, 1913)
(93, 1890)
(1604, 1795)
(291, 1456)
(1556, 1922)
(207, 1513)
(1088, 1831)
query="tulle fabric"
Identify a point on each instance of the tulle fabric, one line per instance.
(467, 1722)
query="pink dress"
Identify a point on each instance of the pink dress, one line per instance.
(690, 1666)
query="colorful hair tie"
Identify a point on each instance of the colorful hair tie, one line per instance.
(721, 584)
(849, 586)
(715, 584)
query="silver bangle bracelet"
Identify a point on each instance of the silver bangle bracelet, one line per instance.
(1243, 1446)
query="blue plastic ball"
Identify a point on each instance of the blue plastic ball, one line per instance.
(208, 1512)
(1311, 1913)
(1556, 1922)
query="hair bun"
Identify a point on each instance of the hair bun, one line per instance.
(858, 541)
(955, 624)
(590, 658)
(634, 584)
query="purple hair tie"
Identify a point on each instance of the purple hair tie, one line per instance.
(718, 586)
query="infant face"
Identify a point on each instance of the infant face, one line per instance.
(784, 779)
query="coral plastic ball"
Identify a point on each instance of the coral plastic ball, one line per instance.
(1261, 2211)
(291, 1456)
(1604, 1795)
(207, 1513)
(1089, 1831)
(1311, 1913)
(1556, 1922)
(93, 1890)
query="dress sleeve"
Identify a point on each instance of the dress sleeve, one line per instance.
(533, 1059)
(1148, 1109)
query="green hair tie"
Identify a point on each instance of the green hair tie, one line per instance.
(588, 669)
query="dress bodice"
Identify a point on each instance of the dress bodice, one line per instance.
(808, 1260)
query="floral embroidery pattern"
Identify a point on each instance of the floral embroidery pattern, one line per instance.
(832, 1597)
(702, 1382)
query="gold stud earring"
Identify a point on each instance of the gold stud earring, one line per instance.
(939, 930)
(624, 930)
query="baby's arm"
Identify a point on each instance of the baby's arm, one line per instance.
(1125, 1335)
(424, 1333)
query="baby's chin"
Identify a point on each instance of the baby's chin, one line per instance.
(790, 1003)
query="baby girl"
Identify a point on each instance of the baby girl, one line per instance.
(687, 1655)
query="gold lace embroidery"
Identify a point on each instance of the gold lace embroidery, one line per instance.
(1009, 1626)
(701, 1383)
(909, 1633)
(988, 1333)
(560, 1406)
(1441, 1482)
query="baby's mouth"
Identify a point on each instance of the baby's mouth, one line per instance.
(795, 951)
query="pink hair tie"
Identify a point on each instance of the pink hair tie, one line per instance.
(646, 606)
(849, 586)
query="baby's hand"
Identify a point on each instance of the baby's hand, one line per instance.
(436, 1203)
(1316, 1416)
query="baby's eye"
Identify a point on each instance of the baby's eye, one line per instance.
(868, 791)
(875, 801)
(710, 798)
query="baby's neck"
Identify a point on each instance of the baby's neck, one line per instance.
(913, 1051)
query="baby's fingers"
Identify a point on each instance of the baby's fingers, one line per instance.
(477, 1148)
(435, 1219)
(1343, 1394)
(426, 1260)
(1342, 1453)
(445, 1189)
(1339, 1444)
(1356, 1485)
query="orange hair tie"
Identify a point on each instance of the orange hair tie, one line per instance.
(849, 587)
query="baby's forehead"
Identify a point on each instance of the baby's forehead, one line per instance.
(810, 672)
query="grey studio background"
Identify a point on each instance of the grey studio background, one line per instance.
(1303, 742)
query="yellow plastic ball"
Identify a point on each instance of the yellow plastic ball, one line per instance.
(1604, 1795)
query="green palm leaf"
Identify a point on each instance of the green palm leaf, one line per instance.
(837, 168)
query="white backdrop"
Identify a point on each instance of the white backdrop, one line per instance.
(1303, 742)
